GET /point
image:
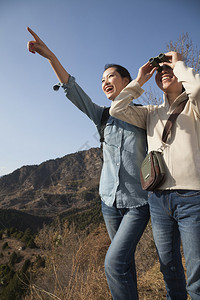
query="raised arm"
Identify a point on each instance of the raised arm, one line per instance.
(72, 90)
(121, 108)
(190, 80)
(38, 46)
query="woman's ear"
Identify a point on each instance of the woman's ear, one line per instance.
(126, 81)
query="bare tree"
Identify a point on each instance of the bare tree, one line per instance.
(190, 53)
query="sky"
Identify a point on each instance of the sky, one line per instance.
(38, 124)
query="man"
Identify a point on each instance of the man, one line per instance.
(175, 205)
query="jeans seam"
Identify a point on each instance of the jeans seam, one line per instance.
(169, 204)
(197, 193)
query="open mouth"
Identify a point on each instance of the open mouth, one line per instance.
(108, 89)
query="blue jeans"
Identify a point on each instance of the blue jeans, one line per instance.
(175, 217)
(125, 228)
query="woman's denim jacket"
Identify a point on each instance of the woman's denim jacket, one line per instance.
(124, 149)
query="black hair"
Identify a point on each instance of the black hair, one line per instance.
(124, 73)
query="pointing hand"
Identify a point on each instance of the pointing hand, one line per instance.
(37, 45)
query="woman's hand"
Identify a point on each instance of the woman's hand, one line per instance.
(38, 45)
(145, 73)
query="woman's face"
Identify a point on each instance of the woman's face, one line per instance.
(113, 83)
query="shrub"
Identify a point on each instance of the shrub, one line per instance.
(40, 262)
(14, 258)
(5, 246)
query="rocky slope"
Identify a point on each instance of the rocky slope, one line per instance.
(54, 186)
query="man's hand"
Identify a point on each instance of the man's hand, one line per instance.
(145, 73)
(172, 57)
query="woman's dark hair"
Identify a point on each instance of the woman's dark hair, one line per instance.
(121, 70)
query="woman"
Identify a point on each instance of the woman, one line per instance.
(175, 205)
(124, 204)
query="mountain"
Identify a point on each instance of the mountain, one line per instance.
(53, 187)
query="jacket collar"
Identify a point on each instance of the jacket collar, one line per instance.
(178, 100)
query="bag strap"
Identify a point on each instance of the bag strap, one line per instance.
(104, 118)
(171, 120)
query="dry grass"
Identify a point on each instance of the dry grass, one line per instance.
(75, 266)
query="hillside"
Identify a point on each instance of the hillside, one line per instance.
(54, 186)
(52, 211)
(11, 218)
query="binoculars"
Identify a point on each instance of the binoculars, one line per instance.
(154, 61)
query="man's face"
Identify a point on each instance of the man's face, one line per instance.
(167, 81)
(113, 83)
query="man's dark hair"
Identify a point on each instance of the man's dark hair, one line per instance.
(124, 73)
